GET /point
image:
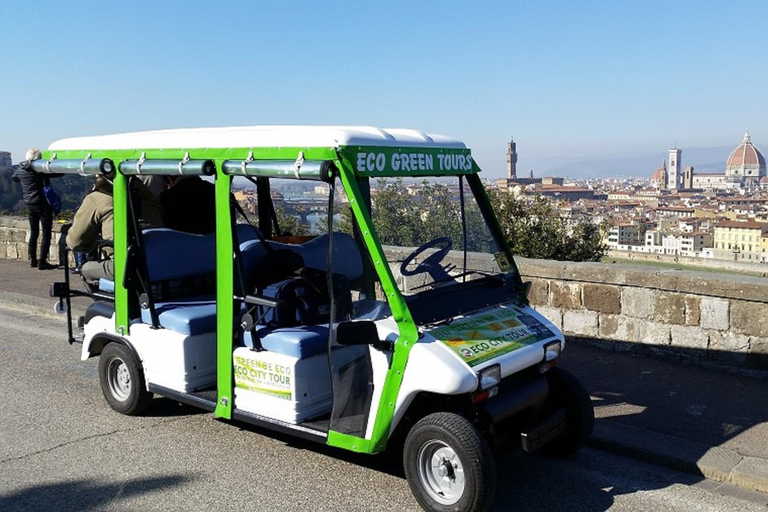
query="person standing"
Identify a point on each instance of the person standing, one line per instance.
(38, 209)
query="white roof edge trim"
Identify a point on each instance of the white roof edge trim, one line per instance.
(261, 136)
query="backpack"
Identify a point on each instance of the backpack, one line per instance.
(304, 299)
(52, 198)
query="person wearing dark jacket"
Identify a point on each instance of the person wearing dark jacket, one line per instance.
(38, 209)
(189, 204)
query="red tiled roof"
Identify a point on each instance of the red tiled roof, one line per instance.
(742, 225)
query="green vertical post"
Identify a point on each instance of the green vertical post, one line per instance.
(224, 298)
(408, 332)
(120, 223)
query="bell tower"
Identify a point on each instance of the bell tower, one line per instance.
(675, 170)
(511, 159)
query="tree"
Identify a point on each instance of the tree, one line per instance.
(433, 212)
(290, 223)
(536, 230)
(397, 219)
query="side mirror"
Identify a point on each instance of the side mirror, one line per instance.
(363, 332)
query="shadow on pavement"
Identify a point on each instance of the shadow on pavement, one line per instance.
(163, 407)
(691, 402)
(526, 482)
(82, 495)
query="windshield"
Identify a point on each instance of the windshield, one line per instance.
(434, 245)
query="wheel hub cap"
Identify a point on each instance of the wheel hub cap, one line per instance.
(441, 472)
(119, 379)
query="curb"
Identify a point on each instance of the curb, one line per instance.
(714, 463)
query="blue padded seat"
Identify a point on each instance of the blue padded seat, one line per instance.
(298, 342)
(185, 317)
(174, 254)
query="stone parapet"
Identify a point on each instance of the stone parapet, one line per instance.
(14, 239)
(702, 316)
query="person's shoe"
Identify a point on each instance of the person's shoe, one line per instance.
(44, 265)
(33, 262)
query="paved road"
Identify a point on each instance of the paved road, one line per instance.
(62, 449)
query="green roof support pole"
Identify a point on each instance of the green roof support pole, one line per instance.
(120, 223)
(224, 297)
(408, 333)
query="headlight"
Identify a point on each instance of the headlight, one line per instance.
(489, 377)
(488, 382)
(552, 351)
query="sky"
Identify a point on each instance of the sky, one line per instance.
(569, 80)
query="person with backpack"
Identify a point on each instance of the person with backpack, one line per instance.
(40, 213)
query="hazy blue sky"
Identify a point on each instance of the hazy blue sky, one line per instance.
(565, 78)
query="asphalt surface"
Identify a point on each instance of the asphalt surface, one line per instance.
(710, 407)
(62, 448)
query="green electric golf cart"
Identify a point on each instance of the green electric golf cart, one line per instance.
(343, 336)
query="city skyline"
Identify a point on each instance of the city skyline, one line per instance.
(569, 82)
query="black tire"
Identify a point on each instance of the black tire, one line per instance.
(443, 434)
(122, 380)
(566, 391)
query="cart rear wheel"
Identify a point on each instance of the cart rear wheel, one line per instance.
(122, 380)
(567, 392)
(448, 464)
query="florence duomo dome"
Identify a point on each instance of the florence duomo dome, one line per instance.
(746, 160)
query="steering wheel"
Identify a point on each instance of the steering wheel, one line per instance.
(431, 263)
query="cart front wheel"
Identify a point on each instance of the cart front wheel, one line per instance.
(568, 392)
(122, 381)
(448, 464)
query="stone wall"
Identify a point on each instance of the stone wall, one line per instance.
(697, 316)
(705, 317)
(14, 239)
(701, 316)
(756, 268)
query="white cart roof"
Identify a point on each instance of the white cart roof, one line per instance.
(261, 137)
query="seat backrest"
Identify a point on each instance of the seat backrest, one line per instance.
(174, 254)
(347, 259)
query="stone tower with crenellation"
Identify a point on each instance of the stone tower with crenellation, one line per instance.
(511, 159)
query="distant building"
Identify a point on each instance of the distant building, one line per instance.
(745, 169)
(511, 159)
(512, 179)
(688, 178)
(675, 181)
(674, 211)
(569, 194)
(677, 244)
(740, 240)
(659, 177)
(746, 162)
(5, 160)
(623, 234)
(687, 244)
